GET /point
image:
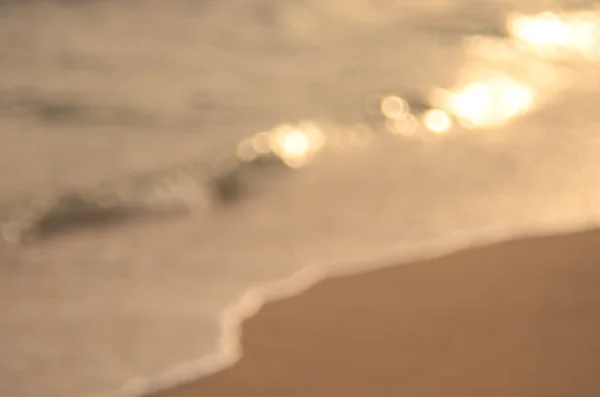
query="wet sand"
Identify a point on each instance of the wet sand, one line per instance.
(515, 319)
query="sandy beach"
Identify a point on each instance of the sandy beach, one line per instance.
(400, 130)
(514, 319)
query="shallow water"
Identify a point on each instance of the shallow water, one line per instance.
(91, 91)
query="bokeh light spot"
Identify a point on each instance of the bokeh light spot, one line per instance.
(393, 107)
(437, 121)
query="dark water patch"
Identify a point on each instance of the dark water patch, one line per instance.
(67, 110)
(73, 213)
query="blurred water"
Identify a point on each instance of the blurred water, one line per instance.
(91, 91)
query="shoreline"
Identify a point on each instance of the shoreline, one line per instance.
(287, 308)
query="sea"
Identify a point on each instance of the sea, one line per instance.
(402, 130)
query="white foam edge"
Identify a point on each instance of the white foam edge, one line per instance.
(229, 349)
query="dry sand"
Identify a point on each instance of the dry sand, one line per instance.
(515, 319)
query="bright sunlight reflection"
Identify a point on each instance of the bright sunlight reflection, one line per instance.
(488, 102)
(437, 121)
(295, 145)
(500, 82)
(558, 35)
(512, 85)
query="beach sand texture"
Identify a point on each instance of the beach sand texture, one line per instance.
(514, 319)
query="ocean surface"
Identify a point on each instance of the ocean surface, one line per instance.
(406, 130)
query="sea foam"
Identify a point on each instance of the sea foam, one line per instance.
(146, 306)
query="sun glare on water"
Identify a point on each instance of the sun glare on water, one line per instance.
(295, 145)
(494, 91)
(503, 79)
(292, 145)
(487, 102)
(437, 121)
(558, 35)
